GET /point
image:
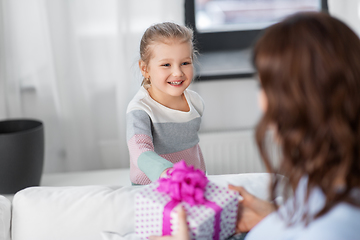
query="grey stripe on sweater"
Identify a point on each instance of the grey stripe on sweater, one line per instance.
(167, 137)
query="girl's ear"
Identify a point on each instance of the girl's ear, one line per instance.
(143, 69)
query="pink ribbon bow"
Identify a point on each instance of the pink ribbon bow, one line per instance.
(186, 184)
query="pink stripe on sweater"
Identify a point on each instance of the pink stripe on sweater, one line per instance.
(137, 145)
(142, 143)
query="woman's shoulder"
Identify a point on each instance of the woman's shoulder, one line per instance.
(341, 222)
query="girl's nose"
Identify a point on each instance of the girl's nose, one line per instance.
(177, 72)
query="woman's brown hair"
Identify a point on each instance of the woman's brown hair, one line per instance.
(309, 69)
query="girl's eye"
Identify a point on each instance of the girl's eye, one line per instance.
(186, 63)
(166, 65)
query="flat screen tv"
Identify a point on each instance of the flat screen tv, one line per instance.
(235, 24)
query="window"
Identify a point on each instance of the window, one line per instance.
(226, 29)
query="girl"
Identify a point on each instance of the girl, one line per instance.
(163, 119)
(309, 70)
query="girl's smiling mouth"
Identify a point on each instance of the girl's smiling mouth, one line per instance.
(175, 83)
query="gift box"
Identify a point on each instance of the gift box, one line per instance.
(211, 209)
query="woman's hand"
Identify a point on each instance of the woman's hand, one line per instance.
(251, 210)
(183, 232)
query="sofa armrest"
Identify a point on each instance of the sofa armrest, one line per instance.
(5, 218)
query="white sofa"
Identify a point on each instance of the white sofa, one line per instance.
(86, 212)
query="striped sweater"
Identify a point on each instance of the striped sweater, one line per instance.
(158, 136)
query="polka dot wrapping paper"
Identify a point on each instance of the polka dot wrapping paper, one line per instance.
(149, 207)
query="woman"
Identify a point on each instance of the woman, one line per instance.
(309, 70)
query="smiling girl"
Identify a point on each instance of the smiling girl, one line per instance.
(163, 118)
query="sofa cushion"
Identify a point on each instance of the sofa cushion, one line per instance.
(71, 213)
(5, 217)
(255, 183)
(89, 212)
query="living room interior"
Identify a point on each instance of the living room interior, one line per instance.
(73, 65)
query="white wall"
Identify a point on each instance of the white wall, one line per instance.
(229, 104)
(347, 11)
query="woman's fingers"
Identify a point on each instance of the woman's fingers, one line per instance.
(241, 190)
(161, 238)
(183, 227)
(238, 189)
(248, 198)
(251, 209)
(248, 219)
(183, 232)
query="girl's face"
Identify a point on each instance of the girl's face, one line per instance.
(170, 69)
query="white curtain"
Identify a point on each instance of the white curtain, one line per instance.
(73, 65)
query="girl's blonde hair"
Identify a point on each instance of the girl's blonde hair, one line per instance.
(164, 33)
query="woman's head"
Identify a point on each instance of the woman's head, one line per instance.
(167, 33)
(309, 69)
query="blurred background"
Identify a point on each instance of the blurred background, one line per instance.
(73, 65)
